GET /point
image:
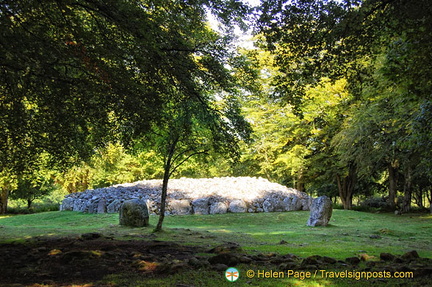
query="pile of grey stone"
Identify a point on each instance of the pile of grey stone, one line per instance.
(193, 196)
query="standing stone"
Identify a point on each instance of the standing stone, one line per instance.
(102, 207)
(320, 211)
(134, 213)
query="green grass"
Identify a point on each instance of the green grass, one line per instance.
(347, 235)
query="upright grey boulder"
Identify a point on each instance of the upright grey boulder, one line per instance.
(134, 213)
(320, 211)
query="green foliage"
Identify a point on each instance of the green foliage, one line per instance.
(113, 165)
(76, 179)
(32, 184)
(381, 49)
(296, 149)
(77, 75)
(338, 94)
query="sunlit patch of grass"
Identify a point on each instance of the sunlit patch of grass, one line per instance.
(427, 217)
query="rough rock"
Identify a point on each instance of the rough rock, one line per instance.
(101, 207)
(320, 211)
(67, 204)
(114, 206)
(218, 208)
(180, 206)
(134, 213)
(201, 206)
(193, 196)
(237, 205)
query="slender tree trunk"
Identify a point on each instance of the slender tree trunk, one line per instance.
(163, 197)
(4, 194)
(167, 173)
(430, 202)
(406, 204)
(392, 186)
(418, 197)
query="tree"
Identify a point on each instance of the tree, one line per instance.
(7, 184)
(77, 74)
(380, 48)
(189, 130)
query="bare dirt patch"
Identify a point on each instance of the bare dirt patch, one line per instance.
(89, 258)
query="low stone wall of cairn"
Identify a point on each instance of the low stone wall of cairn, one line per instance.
(193, 196)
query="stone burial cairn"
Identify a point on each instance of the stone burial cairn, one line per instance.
(193, 196)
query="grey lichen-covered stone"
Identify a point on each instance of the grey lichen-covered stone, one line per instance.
(67, 204)
(320, 211)
(274, 204)
(102, 207)
(237, 205)
(218, 208)
(114, 206)
(201, 205)
(134, 213)
(292, 203)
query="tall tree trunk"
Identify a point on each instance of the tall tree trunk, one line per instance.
(300, 182)
(406, 204)
(418, 197)
(29, 204)
(392, 186)
(4, 194)
(346, 187)
(430, 202)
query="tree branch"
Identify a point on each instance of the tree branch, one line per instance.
(187, 158)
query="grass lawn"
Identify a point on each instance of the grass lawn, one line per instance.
(349, 234)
